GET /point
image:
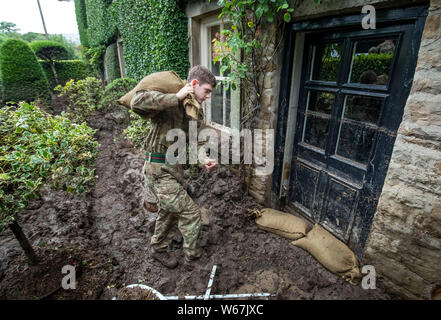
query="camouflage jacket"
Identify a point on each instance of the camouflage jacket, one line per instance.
(170, 115)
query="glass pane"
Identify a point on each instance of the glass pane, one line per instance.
(358, 126)
(217, 104)
(317, 118)
(214, 34)
(228, 108)
(372, 61)
(326, 62)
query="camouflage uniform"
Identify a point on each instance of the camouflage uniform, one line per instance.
(176, 206)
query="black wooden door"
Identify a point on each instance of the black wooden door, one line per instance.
(353, 90)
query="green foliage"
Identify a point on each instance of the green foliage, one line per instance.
(154, 33)
(83, 97)
(101, 25)
(66, 70)
(8, 27)
(137, 131)
(80, 11)
(379, 63)
(86, 96)
(245, 34)
(36, 150)
(22, 77)
(94, 58)
(49, 50)
(115, 90)
(111, 62)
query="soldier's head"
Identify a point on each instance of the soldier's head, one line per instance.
(202, 81)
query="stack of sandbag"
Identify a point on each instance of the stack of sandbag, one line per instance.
(333, 254)
(280, 223)
(165, 82)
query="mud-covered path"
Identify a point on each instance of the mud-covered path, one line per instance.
(108, 232)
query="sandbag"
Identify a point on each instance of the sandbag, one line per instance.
(165, 82)
(281, 223)
(333, 254)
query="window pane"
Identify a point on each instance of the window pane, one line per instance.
(326, 62)
(372, 61)
(358, 126)
(317, 118)
(214, 34)
(217, 104)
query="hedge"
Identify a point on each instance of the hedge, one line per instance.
(66, 70)
(154, 33)
(111, 62)
(49, 50)
(80, 12)
(22, 77)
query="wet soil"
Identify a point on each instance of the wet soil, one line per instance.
(106, 233)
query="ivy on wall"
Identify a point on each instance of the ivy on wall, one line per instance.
(154, 33)
(80, 11)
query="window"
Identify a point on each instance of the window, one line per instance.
(222, 111)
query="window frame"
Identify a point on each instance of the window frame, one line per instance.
(206, 60)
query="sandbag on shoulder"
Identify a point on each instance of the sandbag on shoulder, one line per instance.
(165, 82)
(281, 223)
(333, 254)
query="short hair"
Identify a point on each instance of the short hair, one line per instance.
(202, 74)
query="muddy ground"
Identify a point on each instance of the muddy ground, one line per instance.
(105, 235)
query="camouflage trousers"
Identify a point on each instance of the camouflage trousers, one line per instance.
(177, 208)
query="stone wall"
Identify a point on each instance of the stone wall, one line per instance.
(405, 240)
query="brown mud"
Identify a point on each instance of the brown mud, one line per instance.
(106, 233)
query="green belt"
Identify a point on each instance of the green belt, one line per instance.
(155, 157)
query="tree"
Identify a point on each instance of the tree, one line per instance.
(22, 77)
(49, 51)
(8, 27)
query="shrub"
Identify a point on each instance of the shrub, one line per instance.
(111, 62)
(83, 97)
(116, 90)
(137, 131)
(66, 70)
(23, 78)
(49, 50)
(38, 150)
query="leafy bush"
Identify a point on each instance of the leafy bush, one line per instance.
(111, 62)
(66, 70)
(22, 77)
(38, 149)
(83, 97)
(49, 50)
(137, 131)
(116, 90)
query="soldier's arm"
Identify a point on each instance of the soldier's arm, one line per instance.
(145, 101)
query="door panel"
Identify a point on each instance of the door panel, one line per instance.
(348, 103)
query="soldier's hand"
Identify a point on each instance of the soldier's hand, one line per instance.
(210, 164)
(187, 89)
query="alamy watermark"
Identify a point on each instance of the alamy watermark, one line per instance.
(369, 280)
(370, 20)
(258, 146)
(69, 281)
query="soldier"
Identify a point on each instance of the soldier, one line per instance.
(175, 205)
